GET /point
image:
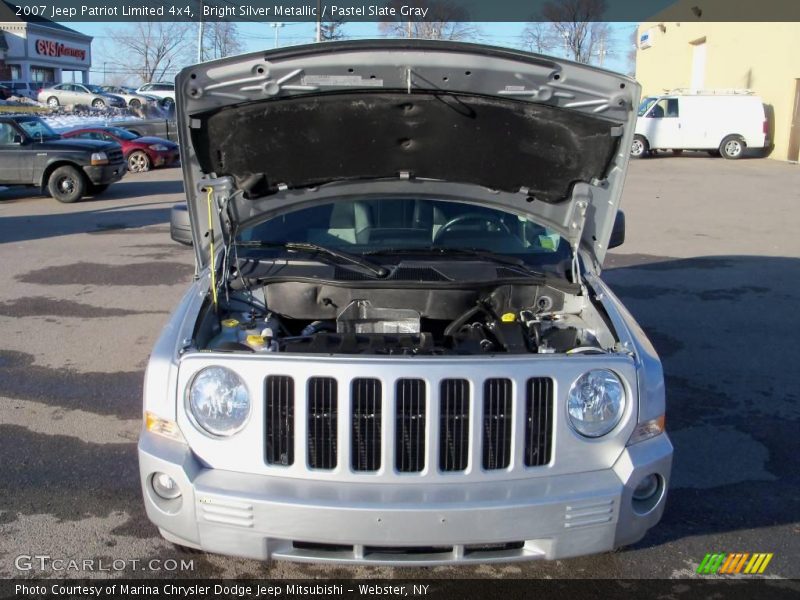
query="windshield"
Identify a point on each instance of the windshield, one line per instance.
(121, 133)
(37, 129)
(95, 89)
(406, 226)
(645, 104)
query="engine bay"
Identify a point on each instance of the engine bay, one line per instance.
(336, 318)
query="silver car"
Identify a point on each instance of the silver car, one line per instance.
(398, 348)
(79, 93)
(130, 96)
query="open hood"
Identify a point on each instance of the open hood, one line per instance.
(265, 132)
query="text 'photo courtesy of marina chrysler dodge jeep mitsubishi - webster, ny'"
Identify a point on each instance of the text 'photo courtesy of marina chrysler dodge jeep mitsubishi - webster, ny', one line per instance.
(398, 348)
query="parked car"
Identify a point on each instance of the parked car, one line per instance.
(398, 348)
(5, 92)
(31, 153)
(161, 89)
(130, 96)
(27, 89)
(141, 153)
(162, 128)
(720, 123)
(79, 93)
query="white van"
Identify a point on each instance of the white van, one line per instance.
(721, 122)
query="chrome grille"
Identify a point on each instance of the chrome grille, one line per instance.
(410, 425)
(538, 421)
(366, 425)
(321, 431)
(453, 425)
(279, 404)
(496, 424)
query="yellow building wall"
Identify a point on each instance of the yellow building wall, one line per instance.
(763, 57)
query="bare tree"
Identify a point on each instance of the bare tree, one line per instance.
(221, 39)
(152, 49)
(577, 24)
(332, 30)
(443, 20)
(540, 37)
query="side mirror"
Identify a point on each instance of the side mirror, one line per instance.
(618, 232)
(180, 227)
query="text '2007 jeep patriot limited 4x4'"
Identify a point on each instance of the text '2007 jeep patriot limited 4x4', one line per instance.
(398, 348)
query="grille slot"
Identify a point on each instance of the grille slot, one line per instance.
(366, 425)
(410, 425)
(496, 423)
(279, 420)
(322, 408)
(538, 421)
(454, 425)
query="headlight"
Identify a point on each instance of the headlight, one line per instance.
(596, 403)
(158, 147)
(99, 158)
(218, 401)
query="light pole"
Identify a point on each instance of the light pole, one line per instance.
(319, 20)
(104, 72)
(277, 28)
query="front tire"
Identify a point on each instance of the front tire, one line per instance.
(732, 147)
(138, 162)
(135, 103)
(66, 184)
(639, 147)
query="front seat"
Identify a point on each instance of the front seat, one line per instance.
(351, 222)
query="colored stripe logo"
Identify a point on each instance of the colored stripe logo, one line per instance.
(734, 563)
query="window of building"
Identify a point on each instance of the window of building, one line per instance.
(42, 74)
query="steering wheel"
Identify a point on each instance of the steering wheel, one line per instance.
(470, 217)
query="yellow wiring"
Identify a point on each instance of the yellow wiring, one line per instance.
(211, 241)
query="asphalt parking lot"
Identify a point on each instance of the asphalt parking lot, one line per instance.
(710, 268)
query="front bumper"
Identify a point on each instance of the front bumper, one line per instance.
(103, 174)
(410, 524)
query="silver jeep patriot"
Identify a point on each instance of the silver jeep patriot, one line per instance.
(397, 348)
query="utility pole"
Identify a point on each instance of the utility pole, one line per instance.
(319, 20)
(277, 28)
(104, 72)
(200, 33)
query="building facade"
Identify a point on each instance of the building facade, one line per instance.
(762, 57)
(40, 52)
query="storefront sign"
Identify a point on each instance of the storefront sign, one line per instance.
(59, 49)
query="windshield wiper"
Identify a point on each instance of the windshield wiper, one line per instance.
(508, 261)
(377, 270)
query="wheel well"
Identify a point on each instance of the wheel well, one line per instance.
(53, 166)
(738, 136)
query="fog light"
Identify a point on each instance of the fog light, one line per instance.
(165, 486)
(647, 488)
